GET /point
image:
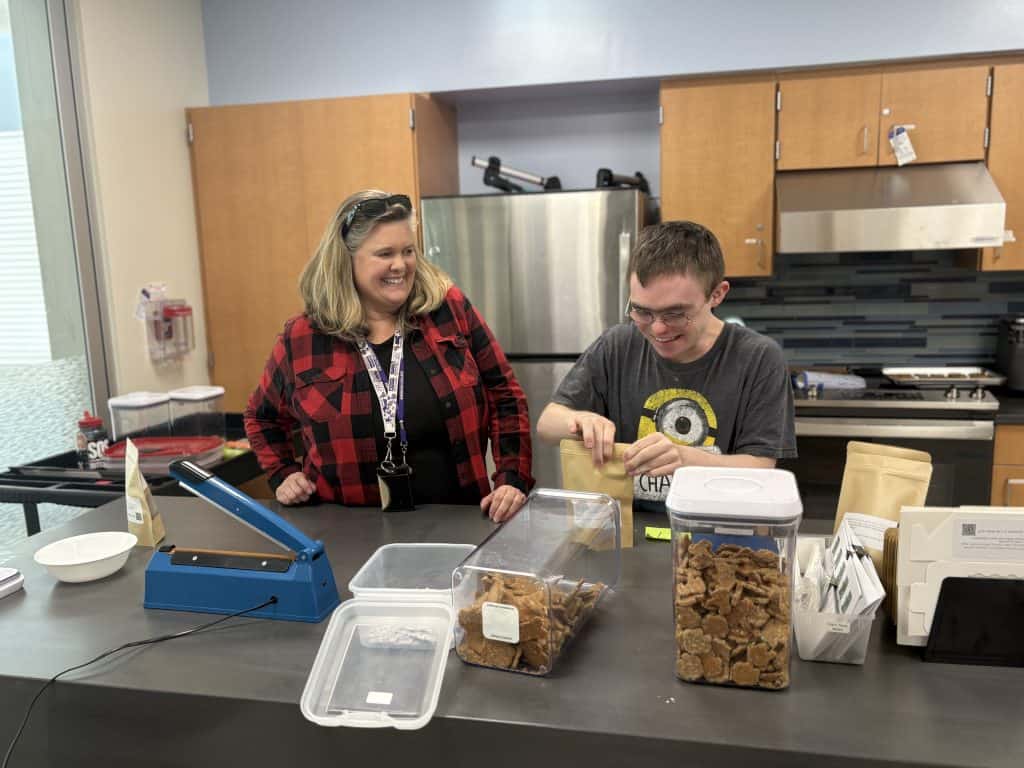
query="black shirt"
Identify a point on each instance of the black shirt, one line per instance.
(434, 477)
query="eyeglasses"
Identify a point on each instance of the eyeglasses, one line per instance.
(373, 207)
(672, 318)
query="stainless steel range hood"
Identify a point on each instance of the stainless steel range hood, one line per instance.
(923, 207)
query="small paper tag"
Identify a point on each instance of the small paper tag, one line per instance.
(134, 510)
(379, 697)
(500, 622)
(839, 627)
(902, 146)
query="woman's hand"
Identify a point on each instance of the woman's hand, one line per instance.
(503, 502)
(296, 489)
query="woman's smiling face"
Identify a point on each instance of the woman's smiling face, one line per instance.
(384, 267)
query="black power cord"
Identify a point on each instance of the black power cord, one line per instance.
(111, 652)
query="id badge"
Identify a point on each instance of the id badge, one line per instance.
(395, 481)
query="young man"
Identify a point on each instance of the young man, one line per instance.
(678, 384)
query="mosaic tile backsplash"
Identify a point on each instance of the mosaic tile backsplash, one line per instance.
(906, 308)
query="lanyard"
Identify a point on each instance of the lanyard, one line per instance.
(390, 394)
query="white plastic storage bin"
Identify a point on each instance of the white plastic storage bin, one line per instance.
(832, 637)
(410, 572)
(529, 588)
(734, 546)
(380, 664)
(139, 414)
(197, 411)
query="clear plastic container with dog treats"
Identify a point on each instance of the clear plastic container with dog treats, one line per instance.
(734, 544)
(529, 588)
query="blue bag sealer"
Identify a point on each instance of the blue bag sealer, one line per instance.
(219, 581)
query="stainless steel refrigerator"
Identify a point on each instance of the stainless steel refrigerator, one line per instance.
(547, 272)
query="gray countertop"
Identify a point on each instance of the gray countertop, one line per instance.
(232, 694)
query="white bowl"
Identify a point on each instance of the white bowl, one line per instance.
(87, 557)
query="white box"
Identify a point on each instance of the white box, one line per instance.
(936, 542)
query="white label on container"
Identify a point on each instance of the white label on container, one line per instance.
(379, 697)
(134, 510)
(501, 622)
(839, 627)
(734, 531)
(992, 538)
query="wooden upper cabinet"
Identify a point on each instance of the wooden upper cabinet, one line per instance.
(267, 179)
(828, 122)
(1006, 162)
(717, 165)
(248, 179)
(948, 107)
(351, 144)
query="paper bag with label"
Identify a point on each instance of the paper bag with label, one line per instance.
(580, 474)
(144, 519)
(877, 481)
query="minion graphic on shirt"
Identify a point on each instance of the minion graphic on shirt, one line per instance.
(685, 417)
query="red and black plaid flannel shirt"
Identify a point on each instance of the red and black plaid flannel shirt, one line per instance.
(319, 382)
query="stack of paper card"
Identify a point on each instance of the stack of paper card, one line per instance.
(939, 542)
(836, 599)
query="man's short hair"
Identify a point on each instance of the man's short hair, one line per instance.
(677, 248)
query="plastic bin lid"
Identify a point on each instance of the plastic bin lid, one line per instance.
(138, 400)
(763, 495)
(153, 447)
(197, 392)
(380, 664)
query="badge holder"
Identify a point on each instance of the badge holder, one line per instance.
(978, 621)
(395, 481)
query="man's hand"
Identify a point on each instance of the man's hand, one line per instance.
(296, 489)
(503, 502)
(596, 432)
(655, 456)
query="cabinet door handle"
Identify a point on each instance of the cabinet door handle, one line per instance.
(864, 143)
(759, 242)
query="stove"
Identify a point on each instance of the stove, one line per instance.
(957, 399)
(954, 422)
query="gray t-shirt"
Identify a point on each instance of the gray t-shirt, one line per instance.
(735, 399)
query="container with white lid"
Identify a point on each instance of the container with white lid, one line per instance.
(529, 588)
(380, 664)
(734, 544)
(139, 414)
(198, 411)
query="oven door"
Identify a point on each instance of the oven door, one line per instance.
(961, 452)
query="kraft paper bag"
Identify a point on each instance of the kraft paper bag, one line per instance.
(580, 474)
(144, 519)
(880, 479)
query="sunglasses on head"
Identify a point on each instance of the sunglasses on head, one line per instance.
(373, 207)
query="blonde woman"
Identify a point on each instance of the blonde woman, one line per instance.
(392, 377)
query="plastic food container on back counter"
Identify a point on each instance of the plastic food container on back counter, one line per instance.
(197, 411)
(734, 545)
(139, 414)
(529, 588)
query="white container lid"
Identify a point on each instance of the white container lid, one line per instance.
(197, 392)
(138, 400)
(410, 571)
(380, 664)
(763, 495)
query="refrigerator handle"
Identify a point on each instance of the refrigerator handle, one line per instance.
(625, 246)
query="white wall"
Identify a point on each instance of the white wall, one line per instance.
(272, 50)
(142, 62)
